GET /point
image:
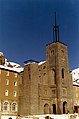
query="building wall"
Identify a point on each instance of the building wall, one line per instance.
(76, 95)
(75, 78)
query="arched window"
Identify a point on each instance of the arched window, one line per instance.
(46, 109)
(62, 73)
(64, 107)
(14, 107)
(54, 75)
(5, 106)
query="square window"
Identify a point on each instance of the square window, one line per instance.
(14, 93)
(6, 92)
(7, 82)
(15, 83)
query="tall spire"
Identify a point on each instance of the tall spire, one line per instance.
(55, 31)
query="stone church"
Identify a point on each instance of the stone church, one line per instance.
(47, 87)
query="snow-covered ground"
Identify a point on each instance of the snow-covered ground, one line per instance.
(52, 116)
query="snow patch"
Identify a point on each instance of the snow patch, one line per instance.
(12, 69)
(41, 63)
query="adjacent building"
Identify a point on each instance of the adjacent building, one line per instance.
(75, 78)
(9, 78)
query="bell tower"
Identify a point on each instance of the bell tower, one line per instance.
(57, 61)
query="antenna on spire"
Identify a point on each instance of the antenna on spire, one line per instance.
(55, 31)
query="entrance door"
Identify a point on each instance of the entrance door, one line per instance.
(64, 107)
(54, 109)
(76, 109)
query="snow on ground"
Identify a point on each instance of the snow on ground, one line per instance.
(52, 116)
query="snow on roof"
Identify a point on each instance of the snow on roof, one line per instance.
(10, 65)
(41, 62)
(77, 69)
(12, 68)
(30, 63)
(75, 83)
(75, 76)
(14, 64)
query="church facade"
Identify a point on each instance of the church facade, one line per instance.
(47, 87)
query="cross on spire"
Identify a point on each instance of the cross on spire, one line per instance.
(55, 31)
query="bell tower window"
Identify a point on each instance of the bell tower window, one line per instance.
(54, 75)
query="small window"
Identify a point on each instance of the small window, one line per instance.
(7, 82)
(15, 93)
(15, 75)
(44, 74)
(52, 52)
(15, 83)
(7, 73)
(44, 67)
(53, 92)
(6, 92)
(62, 51)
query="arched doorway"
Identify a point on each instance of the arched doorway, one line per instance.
(54, 108)
(64, 107)
(46, 109)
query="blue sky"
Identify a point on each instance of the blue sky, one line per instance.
(26, 26)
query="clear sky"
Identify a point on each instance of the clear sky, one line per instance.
(26, 26)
